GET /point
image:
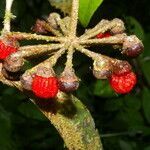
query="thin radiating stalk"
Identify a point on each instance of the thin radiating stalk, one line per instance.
(100, 25)
(74, 18)
(117, 39)
(52, 30)
(29, 51)
(87, 52)
(69, 63)
(62, 26)
(50, 62)
(101, 29)
(29, 36)
(53, 60)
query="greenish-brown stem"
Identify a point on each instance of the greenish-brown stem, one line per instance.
(73, 122)
(34, 50)
(87, 52)
(52, 30)
(102, 27)
(116, 39)
(50, 62)
(69, 64)
(62, 26)
(53, 59)
(29, 36)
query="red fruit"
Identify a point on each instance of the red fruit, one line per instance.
(123, 83)
(6, 50)
(44, 87)
(103, 35)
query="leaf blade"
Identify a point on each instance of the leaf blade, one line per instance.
(146, 104)
(86, 10)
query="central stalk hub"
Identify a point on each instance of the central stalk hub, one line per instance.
(72, 41)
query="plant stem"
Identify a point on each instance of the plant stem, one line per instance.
(69, 63)
(50, 62)
(74, 18)
(62, 26)
(101, 28)
(29, 36)
(8, 16)
(117, 39)
(52, 30)
(87, 52)
(29, 51)
(74, 123)
(100, 25)
(53, 60)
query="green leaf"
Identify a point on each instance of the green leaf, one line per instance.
(146, 69)
(17, 10)
(113, 105)
(103, 89)
(2, 9)
(31, 111)
(87, 9)
(147, 148)
(146, 104)
(135, 27)
(125, 145)
(132, 102)
(129, 118)
(146, 45)
(145, 130)
(145, 59)
(5, 130)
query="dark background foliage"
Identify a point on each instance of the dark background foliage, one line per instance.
(122, 120)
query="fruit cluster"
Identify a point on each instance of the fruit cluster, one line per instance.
(45, 84)
(61, 37)
(122, 80)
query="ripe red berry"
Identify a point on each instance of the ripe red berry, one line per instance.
(44, 87)
(123, 83)
(103, 35)
(6, 50)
